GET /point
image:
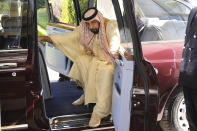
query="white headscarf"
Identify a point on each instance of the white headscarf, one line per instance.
(87, 36)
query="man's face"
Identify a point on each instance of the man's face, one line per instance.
(94, 26)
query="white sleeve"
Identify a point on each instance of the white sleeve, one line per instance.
(113, 36)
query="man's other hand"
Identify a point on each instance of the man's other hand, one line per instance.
(116, 55)
(128, 56)
(44, 39)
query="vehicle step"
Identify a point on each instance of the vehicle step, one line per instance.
(74, 121)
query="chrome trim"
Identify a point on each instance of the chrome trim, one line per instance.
(14, 127)
(161, 41)
(23, 58)
(13, 69)
(8, 65)
(70, 115)
(181, 117)
(102, 128)
(67, 126)
(73, 115)
(14, 50)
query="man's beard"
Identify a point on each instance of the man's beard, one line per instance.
(95, 31)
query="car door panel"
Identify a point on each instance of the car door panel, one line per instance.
(12, 70)
(55, 59)
(45, 83)
(145, 88)
(138, 99)
(122, 93)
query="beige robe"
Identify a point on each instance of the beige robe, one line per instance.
(92, 72)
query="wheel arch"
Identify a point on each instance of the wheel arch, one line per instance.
(175, 89)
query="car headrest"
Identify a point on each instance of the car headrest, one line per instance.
(165, 29)
(173, 29)
(11, 22)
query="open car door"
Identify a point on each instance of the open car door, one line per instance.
(58, 24)
(62, 23)
(135, 97)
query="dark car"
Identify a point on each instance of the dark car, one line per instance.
(29, 101)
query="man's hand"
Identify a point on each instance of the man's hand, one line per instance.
(44, 39)
(40, 38)
(116, 55)
(128, 56)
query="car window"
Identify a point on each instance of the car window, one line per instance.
(174, 9)
(64, 11)
(162, 19)
(42, 14)
(13, 19)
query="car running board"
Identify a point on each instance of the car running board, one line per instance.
(74, 121)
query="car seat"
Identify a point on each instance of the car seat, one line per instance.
(173, 29)
(11, 31)
(11, 25)
(151, 32)
(156, 29)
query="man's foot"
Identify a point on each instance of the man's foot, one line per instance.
(95, 120)
(79, 101)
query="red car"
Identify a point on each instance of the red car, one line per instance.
(162, 42)
(166, 60)
(145, 88)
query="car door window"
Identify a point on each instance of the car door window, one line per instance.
(13, 21)
(64, 10)
(42, 15)
(169, 23)
(67, 12)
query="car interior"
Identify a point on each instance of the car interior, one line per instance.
(11, 30)
(155, 29)
(13, 27)
(57, 100)
(165, 25)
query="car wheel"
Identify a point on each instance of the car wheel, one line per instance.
(174, 117)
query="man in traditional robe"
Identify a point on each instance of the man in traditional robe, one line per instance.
(92, 47)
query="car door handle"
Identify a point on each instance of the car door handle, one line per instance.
(117, 88)
(8, 65)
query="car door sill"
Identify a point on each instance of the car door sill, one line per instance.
(74, 121)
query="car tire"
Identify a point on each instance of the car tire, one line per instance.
(174, 116)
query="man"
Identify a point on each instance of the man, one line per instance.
(188, 70)
(92, 47)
